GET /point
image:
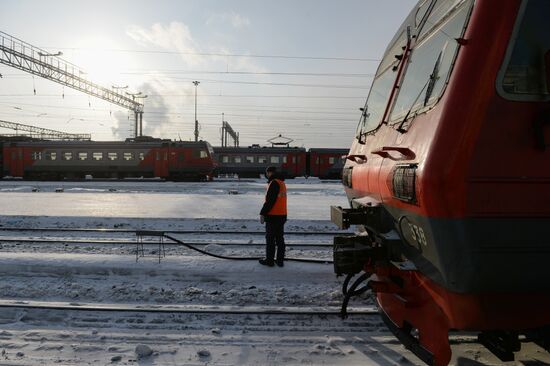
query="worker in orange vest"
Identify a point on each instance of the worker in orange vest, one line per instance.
(273, 214)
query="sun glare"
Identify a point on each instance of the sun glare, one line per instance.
(99, 62)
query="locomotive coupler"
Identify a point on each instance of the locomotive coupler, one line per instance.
(350, 253)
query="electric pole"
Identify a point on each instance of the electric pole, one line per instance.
(196, 83)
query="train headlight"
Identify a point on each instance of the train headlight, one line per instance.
(404, 182)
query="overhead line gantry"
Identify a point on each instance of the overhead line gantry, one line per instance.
(43, 133)
(26, 57)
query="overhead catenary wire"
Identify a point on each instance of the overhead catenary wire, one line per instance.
(223, 54)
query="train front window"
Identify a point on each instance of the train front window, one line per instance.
(381, 87)
(527, 71)
(430, 65)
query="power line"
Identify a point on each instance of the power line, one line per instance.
(330, 86)
(214, 54)
(223, 107)
(328, 74)
(205, 95)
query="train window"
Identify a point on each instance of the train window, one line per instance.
(421, 12)
(157, 155)
(97, 156)
(526, 75)
(293, 160)
(274, 160)
(250, 159)
(317, 160)
(112, 156)
(237, 159)
(284, 159)
(331, 160)
(165, 156)
(36, 155)
(262, 160)
(142, 156)
(225, 159)
(203, 154)
(128, 156)
(381, 87)
(82, 156)
(430, 65)
(51, 155)
(441, 10)
(67, 155)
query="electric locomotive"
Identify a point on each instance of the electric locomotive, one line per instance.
(448, 178)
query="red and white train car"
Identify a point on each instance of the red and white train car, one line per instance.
(55, 160)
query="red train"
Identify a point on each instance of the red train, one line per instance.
(133, 158)
(292, 161)
(449, 178)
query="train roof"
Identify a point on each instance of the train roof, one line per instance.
(329, 150)
(107, 144)
(256, 149)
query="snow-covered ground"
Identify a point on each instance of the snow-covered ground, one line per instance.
(77, 268)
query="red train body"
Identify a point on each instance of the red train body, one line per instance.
(449, 175)
(54, 160)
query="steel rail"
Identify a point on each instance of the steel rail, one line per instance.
(50, 229)
(149, 242)
(186, 308)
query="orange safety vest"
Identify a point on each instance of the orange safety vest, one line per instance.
(279, 208)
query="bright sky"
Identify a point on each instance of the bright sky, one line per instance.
(311, 94)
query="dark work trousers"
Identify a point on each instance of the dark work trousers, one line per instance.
(274, 235)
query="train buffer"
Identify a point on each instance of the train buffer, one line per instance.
(140, 244)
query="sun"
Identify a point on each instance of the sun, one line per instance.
(101, 61)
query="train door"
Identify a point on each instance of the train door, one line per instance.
(161, 162)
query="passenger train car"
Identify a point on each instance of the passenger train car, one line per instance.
(147, 158)
(449, 178)
(292, 161)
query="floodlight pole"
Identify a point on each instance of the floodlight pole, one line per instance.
(196, 83)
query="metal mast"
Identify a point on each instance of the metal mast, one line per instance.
(26, 57)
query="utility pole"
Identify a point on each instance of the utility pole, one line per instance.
(196, 83)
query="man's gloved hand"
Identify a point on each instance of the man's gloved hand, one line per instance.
(262, 219)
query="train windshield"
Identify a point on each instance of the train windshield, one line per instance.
(431, 60)
(381, 87)
(526, 73)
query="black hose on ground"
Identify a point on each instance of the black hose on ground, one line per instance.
(353, 291)
(303, 260)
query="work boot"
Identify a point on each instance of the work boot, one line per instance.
(266, 262)
(280, 263)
